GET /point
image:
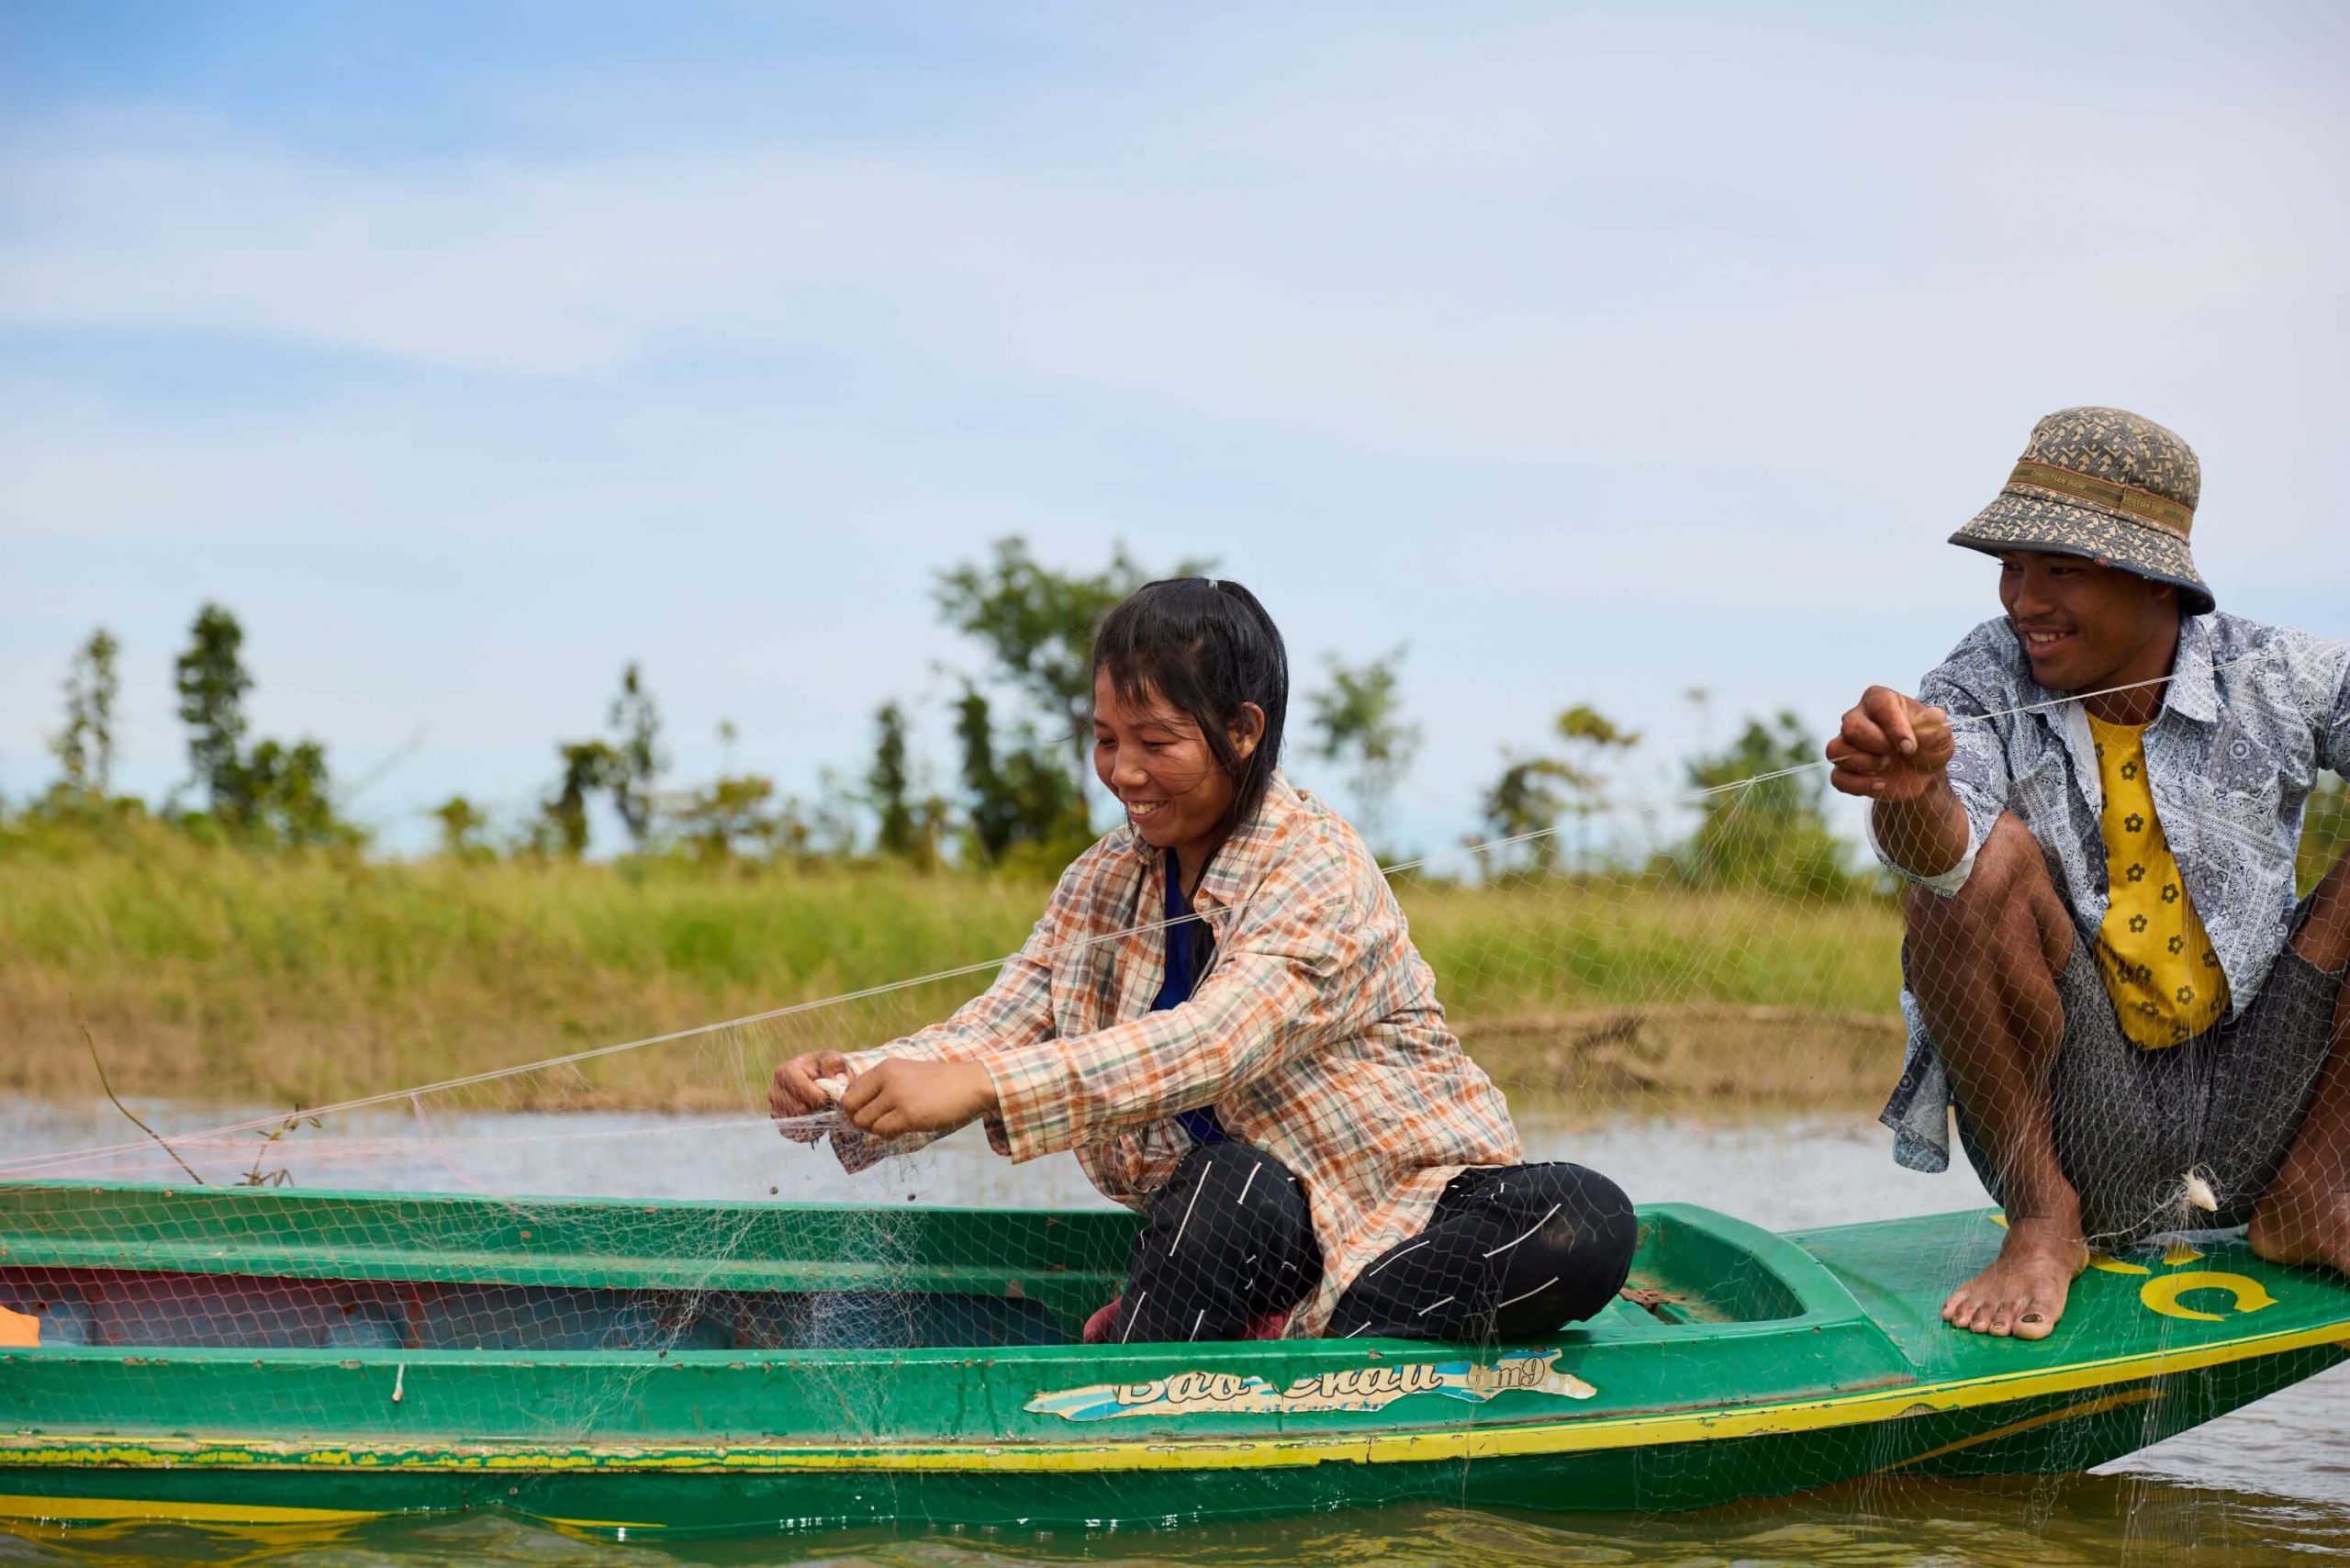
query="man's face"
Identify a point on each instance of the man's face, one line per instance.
(2083, 624)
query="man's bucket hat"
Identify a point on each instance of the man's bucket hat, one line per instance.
(2104, 483)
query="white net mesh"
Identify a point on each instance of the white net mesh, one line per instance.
(1700, 999)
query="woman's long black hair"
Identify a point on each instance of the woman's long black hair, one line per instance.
(1204, 647)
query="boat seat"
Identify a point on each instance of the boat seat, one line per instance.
(1688, 1271)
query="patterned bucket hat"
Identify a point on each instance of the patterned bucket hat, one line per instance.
(2103, 484)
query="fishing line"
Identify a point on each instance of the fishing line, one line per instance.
(35, 1163)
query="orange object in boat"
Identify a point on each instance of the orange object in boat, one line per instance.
(18, 1329)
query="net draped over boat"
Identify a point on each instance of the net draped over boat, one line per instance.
(1726, 958)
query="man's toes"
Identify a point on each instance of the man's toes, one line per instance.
(2031, 1319)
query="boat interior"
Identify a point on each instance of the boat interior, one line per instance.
(945, 1285)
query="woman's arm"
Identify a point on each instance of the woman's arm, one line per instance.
(1299, 968)
(924, 1074)
(932, 1071)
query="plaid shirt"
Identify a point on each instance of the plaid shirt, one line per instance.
(1315, 1033)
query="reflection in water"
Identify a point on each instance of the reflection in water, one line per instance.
(2085, 1520)
(2270, 1480)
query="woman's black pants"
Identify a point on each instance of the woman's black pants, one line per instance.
(1512, 1251)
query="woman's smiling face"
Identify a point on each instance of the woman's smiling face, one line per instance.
(1155, 759)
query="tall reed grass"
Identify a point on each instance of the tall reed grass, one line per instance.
(213, 973)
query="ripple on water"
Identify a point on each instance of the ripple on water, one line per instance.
(2035, 1524)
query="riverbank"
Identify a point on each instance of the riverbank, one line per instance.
(304, 980)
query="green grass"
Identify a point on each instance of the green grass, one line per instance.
(1589, 942)
(292, 979)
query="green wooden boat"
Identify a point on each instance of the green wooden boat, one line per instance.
(249, 1357)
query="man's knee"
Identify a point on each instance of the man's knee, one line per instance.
(2007, 895)
(2324, 937)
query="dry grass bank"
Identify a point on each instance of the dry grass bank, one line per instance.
(215, 974)
(1699, 1057)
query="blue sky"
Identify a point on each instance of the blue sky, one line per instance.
(1595, 355)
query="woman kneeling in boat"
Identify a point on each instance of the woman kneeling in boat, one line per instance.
(1223, 1014)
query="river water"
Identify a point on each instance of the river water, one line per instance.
(2270, 1483)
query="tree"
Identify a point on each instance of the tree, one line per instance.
(636, 758)
(211, 681)
(1532, 793)
(993, 816)
(275, 793)
(1359, 720)
(290, 799)
(1037, 624)
(562, 825)
(625, 767)
(1591, 737)
(1760, 821)
(735, 814)
(887, 784)
(84, 747)
(1026, 796)
(1524, 803)
(461, 824)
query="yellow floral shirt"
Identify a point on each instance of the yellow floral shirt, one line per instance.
(2159, 966)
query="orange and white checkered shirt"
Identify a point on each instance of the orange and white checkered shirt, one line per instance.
(1315, 1033)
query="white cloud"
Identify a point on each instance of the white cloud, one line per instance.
(1488, 256)
(1641, 355)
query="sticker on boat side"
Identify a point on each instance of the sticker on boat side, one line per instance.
(1351, 1389)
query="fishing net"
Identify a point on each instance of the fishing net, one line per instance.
(1701, 997)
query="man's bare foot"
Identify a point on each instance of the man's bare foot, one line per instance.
(2302, 1224)
(2022, 1293)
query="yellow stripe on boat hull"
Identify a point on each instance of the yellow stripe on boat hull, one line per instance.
(1174, 1452)
(17, 1506)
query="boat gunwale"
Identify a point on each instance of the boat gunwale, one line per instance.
(1577, 1338)
(1822, 1299)
(376, 1196)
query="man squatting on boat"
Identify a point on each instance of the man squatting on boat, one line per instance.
(1221, 1013)
(2097, 801)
